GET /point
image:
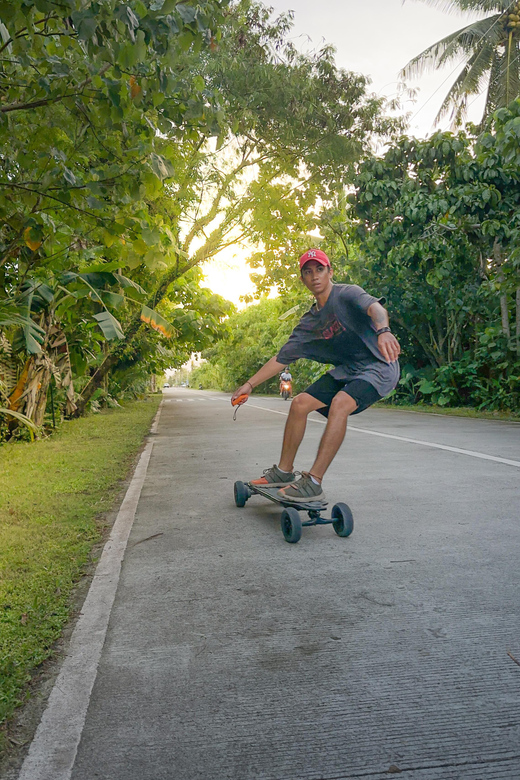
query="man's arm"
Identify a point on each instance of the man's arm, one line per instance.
(387, 342)
(268, 370)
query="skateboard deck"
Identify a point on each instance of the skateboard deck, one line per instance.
(271, 494)
(341, 517)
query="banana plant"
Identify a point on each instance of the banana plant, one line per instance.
(48, 300)
(92, 284)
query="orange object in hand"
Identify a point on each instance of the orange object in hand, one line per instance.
(240, 400)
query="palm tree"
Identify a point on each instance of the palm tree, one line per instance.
(490, 50)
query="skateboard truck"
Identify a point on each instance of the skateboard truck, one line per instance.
(291, 523)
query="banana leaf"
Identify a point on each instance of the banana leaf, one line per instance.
(23, 419)
(158, 323)
(17, 315)
(109, 325)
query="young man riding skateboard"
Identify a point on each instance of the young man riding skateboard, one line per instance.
(348, 328)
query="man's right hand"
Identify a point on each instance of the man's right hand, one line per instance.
(245, 389)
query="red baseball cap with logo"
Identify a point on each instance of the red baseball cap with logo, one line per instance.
(314, 254)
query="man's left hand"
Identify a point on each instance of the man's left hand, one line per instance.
(388, 347)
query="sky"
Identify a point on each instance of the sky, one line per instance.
(376, 38)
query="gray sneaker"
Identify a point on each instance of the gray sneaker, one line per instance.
(303, 490)
(273, 477)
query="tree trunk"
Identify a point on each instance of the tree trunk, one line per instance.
(7, 368)
(30, 395)
(504, 314)
(504, 311)
(116, 353)
(431, 355)
(518, 321)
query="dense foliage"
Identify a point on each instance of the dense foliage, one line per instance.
(255, 335)
(97, 111)
(434, 226)
(137, 141)
(437, 226)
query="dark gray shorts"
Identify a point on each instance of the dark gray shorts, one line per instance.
(326, 388)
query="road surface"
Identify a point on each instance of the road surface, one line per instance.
(232, 655)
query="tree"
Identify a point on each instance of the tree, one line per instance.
(490, 50)
(437, 225)
(253, 337)
(298, 126)
(97, 104)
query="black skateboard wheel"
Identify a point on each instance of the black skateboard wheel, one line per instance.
(242, 493)
(291, 525)
(343, 520)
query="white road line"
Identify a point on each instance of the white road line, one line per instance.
(459, 451)
(54, 747)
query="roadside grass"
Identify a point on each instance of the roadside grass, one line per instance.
(53, 494)
(453, 411)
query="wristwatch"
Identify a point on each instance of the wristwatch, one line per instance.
(383, 330)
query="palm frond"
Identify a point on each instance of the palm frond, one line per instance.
(470, 81)
(497, 96)
(496, 67)
(510, 75)
(461, 42)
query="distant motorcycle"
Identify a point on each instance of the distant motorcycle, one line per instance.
(285, 389)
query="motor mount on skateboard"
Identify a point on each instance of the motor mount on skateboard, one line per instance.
(291, 523)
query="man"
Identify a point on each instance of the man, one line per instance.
(285, 376)
(350, 329)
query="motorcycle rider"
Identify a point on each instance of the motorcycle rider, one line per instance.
(285, 376)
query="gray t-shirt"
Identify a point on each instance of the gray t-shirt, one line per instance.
(342, 333)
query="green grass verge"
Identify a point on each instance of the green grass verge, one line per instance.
(453, 411)
(52, 493)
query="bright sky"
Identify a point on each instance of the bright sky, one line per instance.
(376, 38)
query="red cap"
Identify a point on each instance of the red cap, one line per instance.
(314, 254)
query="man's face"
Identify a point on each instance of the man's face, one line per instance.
(316, 277)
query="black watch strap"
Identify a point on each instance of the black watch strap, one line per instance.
(383, 330)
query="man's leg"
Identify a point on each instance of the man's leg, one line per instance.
(301, 406)
(340, 408)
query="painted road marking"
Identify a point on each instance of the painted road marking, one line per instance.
(55, 744)
(458, 450)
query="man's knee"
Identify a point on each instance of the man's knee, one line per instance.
(343, 404)
(303, 404)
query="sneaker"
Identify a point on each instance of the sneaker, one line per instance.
(273, 477)
(303, 490)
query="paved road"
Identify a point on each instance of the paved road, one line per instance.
(232, 655)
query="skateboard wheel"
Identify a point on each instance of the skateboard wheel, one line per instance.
(291, 525)
(242, 493)
(343, 521)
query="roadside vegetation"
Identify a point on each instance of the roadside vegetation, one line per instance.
(434, 227)
(138, 140)
(53, 494)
